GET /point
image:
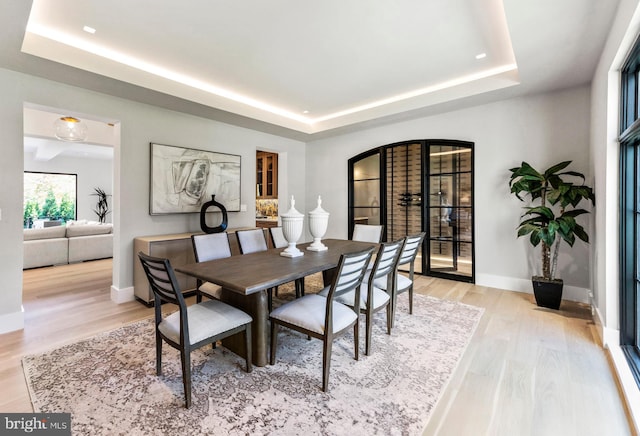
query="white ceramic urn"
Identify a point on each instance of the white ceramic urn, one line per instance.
(318, 222)
(292, 223)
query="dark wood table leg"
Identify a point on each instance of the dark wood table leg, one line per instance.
(256, 306)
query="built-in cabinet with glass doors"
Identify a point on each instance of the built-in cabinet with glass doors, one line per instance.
(266, 175)
(417, 186)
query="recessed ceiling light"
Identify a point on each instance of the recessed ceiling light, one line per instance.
(305, 112)
(481, 56)
(89, 29)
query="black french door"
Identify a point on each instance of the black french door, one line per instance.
(415, 186)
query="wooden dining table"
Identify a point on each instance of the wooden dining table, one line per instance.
(246, 278)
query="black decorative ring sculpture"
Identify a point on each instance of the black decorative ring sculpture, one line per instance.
(203, 222)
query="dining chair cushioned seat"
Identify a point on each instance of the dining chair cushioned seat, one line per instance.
(380, 297)
(308, 312)
(191, 326)
(205, 320)
(402, 282)
(322, 317)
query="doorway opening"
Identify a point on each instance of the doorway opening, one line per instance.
(72, 222)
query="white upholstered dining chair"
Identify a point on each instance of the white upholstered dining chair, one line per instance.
(190, 327)
(278, 240)
(372, 298)
(254, 241)
(206, 247)
(251, 241)
(367, 233)
(323, 317)
(277, 237)
(404, 283)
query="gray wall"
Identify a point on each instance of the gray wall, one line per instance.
(541, 129)
(139, 125)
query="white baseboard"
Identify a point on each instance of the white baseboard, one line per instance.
(610, 340)
(600, 329)
(11, 322)
(630, 389)
(572, 293)
(123, 295)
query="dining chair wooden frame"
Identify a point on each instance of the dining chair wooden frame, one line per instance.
(412, 245)
(373, 296)
(191, 327)
(299, 314)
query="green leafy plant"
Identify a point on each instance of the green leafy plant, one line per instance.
(31, 213)
(553, 220)
(67, 208)
(102, 206)
(50, 209)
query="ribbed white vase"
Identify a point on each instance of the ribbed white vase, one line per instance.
(292, 223)
(318, 222)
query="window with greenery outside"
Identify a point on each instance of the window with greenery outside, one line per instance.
(49, 197)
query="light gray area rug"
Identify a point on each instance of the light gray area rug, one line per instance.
(108, 382)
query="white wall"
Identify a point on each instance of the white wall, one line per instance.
(92, 173)
(139, 125)
(542, 130)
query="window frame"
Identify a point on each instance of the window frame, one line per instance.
(629, 209)
(53, 173)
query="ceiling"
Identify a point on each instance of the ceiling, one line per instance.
(42, 145)
(307, 70)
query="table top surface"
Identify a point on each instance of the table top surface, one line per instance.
(250, 273)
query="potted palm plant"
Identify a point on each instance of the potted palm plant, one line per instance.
(550, 219)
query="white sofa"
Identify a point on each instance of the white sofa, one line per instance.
(67, 244)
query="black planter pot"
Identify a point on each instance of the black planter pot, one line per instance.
(548, 293)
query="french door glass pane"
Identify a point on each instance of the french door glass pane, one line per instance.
(447, 256)
(450, 206)
(448, 159)
(366, 215)
(367, 168)
(366, 192)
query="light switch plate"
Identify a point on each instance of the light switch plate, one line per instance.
(243, 208)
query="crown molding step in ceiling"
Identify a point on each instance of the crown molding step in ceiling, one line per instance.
(311, 68)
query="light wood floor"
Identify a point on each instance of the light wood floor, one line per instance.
(527, 371)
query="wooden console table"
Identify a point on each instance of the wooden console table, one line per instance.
(179, 250)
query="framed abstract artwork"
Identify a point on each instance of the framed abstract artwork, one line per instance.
(183, 179)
